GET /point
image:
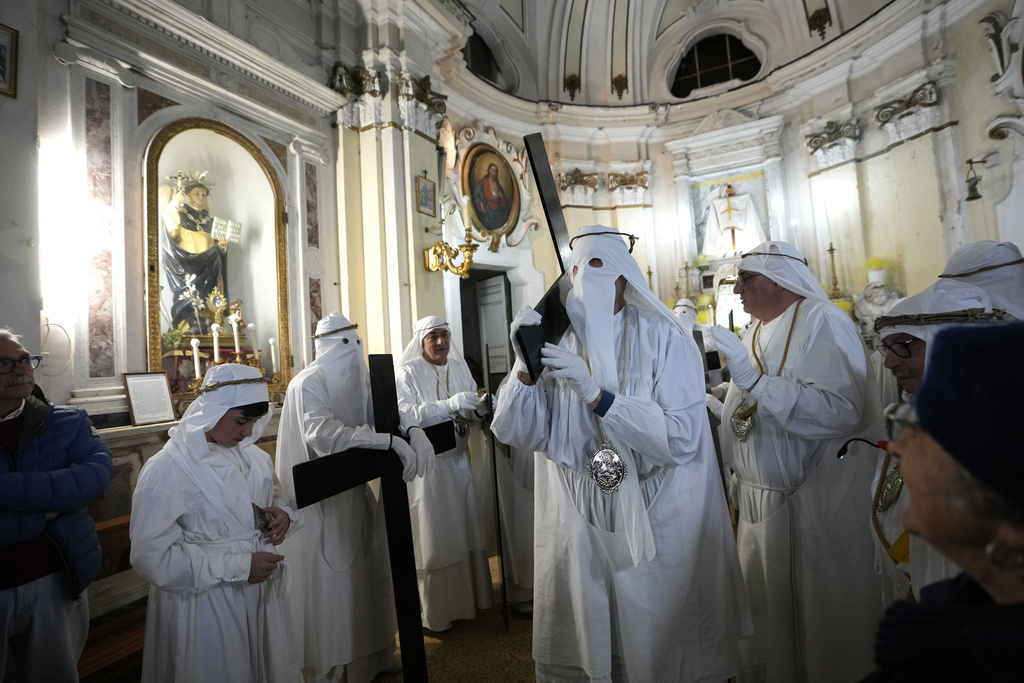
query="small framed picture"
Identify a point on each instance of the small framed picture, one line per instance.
(8, 61)
(149, 397)
(425, 200)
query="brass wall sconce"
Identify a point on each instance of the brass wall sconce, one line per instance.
(973, 180)
(440, 256)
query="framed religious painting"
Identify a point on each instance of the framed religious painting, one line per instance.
(488, 180)
(425, 198)
(8, 61)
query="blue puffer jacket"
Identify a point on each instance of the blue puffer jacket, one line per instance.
(61, 465)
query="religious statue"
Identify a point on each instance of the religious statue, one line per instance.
(733, 225)
(869, 304)
(490, 201)
(195, 251)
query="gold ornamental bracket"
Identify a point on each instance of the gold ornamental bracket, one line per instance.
(440, 256)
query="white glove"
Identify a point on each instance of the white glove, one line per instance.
(408, 456)
(714, 405)
(737, 357)
(523, 318)
(424, 451)
(483, 406)
(720, 391)
(464, 400)
(564, 364)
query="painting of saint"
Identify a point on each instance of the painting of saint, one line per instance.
(491, 186)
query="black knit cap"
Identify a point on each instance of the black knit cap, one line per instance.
(972, 402)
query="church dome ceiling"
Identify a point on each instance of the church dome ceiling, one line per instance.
(628, 52)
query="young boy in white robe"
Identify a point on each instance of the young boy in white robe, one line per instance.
(205, 523)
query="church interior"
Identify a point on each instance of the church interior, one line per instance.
(367, 156)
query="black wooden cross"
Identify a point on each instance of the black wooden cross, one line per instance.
(321, 478)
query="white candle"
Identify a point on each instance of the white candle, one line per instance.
(215, 328)
(195, 355)
(251, 327)
(234, 328)
(465, 214)
(273, 355)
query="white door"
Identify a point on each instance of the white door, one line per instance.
(494, 322)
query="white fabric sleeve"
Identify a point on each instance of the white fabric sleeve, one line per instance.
(665, 429)
(288, 505)
(159, 552)
(821, 391)
(522, 418)
(322, 431)
(415, 412)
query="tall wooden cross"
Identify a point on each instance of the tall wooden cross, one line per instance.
(319, 479)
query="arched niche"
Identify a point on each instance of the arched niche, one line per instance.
(243, 189)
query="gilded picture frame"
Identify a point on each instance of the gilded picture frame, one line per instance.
(488, 180)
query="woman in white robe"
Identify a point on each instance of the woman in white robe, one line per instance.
(627, 589)
(217, 607)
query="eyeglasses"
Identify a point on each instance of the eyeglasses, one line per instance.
(7, 364)
(900, 348)
(899, 416)
(743, 277)
(633, 239)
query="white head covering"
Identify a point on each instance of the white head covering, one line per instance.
(189, 435)
(996, 267)
(423, 327)
(590, 305)
(781, 263)
(686, 311)
(590, 302)
(944, 296)
(339, 353)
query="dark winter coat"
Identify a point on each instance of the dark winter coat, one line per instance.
(60, 465)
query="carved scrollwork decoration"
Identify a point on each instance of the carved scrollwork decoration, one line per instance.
(419, 89)
(833, 132)
(926, 95)
(354, 81)
(617, 180)
(577, 177)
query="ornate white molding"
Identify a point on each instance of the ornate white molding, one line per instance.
(835, 143)
(750, 143)
(578, 187)
(308, 150)
(517, 160)
(907, 116)
(1004, 36)
(79, 55)
(422, 109)
(628, 189)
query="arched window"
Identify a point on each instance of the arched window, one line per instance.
(480, 60)
(715, 59)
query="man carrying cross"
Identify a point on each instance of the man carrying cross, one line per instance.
(341, 595)
(636, 571)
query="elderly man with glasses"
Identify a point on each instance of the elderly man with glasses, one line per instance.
(800, 387)
(52, 465)
(965, 480)
(907, 563)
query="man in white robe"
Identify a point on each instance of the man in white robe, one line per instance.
(907, 562)
(217, 608)
(800, 387)
(996, 267)
(434, 386)
(637, 576)
(341, 596)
